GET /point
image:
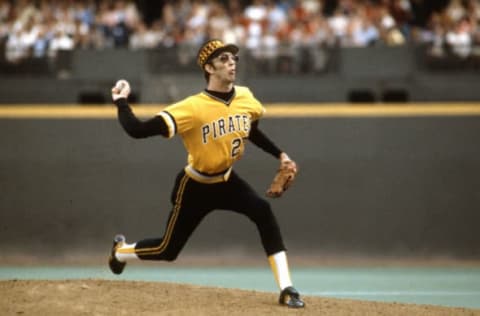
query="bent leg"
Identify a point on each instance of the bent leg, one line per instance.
(185, 216)
(180, 226)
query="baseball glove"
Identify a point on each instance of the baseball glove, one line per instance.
(283, 179)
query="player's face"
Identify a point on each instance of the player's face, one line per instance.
(225, 67)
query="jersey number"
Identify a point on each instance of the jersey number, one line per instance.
(236, 146)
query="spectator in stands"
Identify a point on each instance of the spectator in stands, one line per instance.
(22, 11)
(20, 42)
(388, 28)
(255, 15)
(196, 24)
(474, 17)
(401, 11)
(276, 16)
(455, 11)
(84, 12)
(236, 33)
(42, 42)
(435, 35)
(146, 38)
(60, 41)
(5, 9)
(459, 39)
(322, 34)
(361, 30)
(84, 24)
(15, 49)
(338, 23)
(218, 20)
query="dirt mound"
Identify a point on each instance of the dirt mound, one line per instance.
(103, 297)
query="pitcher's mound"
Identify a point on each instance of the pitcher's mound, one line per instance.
(104, 297)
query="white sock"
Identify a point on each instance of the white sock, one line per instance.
(279, 265)
(126, 252)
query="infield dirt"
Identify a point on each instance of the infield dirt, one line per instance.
(103, 297)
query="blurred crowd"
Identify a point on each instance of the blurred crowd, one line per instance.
(265, 27)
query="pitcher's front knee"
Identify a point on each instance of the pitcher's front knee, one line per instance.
(262, 212)
(170, 256)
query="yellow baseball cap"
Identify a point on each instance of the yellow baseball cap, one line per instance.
(212, 48)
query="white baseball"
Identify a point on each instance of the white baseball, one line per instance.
(120, 84)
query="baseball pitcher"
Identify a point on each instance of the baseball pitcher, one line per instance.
(214, 125)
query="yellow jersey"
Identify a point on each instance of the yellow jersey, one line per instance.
(213, 131)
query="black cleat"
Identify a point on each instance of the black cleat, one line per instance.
(290, 297)
(115, 265)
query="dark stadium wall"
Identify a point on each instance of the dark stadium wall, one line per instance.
(373, 74)
(367, 186)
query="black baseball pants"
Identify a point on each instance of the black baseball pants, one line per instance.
(193, 200)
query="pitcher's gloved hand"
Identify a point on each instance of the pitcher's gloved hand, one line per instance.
(283, 178)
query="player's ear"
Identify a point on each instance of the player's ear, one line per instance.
(209, 68)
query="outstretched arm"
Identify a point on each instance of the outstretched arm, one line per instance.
(130, 123)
